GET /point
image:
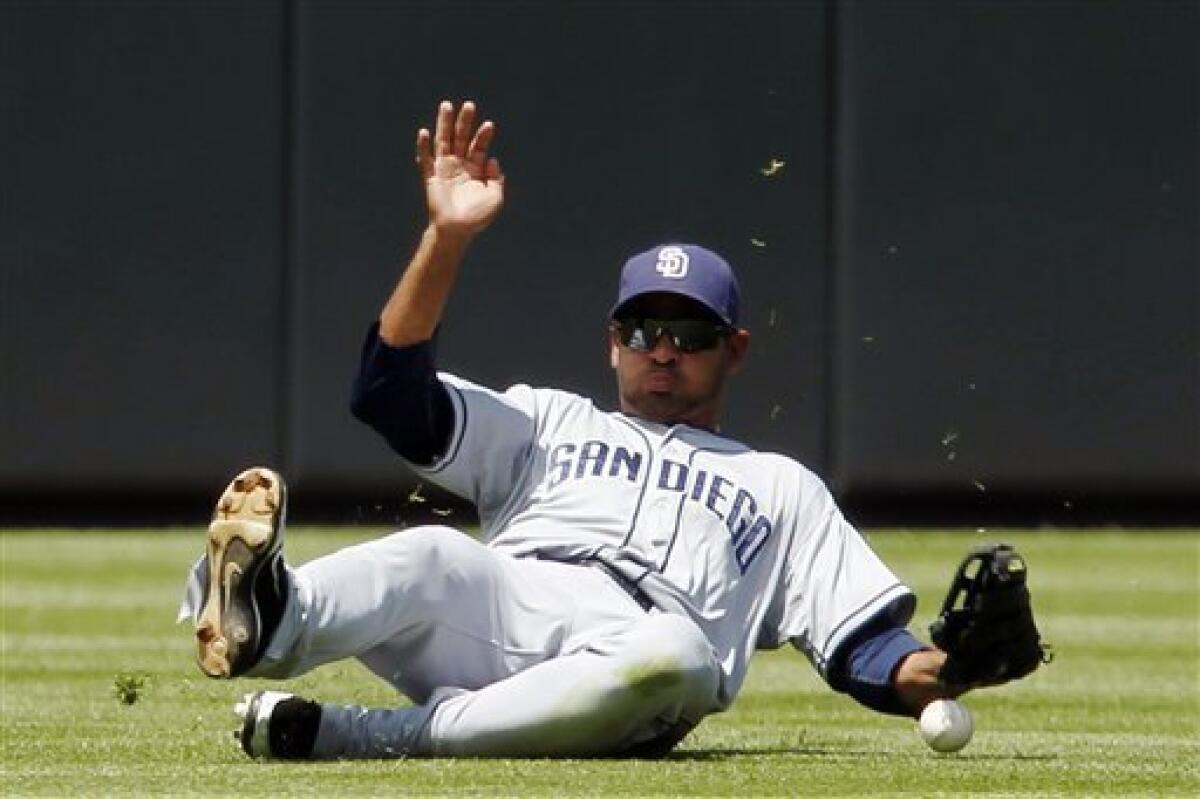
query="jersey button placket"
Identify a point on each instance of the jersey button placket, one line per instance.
(658, 524)
(666, 498)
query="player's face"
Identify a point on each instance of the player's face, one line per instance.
(665, 383)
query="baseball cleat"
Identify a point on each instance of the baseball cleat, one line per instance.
(247, 578)
(277, 725)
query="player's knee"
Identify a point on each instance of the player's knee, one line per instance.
(428, 542)
(429, 545)
(676, 637)
(419, 560)
(670, 655)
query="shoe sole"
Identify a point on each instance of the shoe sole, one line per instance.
(245, 532)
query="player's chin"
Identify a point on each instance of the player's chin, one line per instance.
(662, 407)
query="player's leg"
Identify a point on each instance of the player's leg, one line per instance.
(641, 694)
(621, 679)
(428, 598)
(422, 608)
(658, 678)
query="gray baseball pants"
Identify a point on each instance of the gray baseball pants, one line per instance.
(503, 656)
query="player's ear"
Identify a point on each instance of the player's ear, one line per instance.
(613, 349)
(739, 345)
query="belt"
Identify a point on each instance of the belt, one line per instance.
(627, 585)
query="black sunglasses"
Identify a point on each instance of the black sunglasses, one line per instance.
(688, 335)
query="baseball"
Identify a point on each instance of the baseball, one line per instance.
(946, 725)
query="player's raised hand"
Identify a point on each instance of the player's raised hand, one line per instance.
(464, 187)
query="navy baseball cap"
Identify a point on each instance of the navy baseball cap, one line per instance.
(685, 269)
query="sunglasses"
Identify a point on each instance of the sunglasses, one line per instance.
(688, 335)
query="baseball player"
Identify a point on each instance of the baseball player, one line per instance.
(630, 562)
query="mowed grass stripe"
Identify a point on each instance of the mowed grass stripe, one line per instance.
(29, 595)
(1116, 714)
(79, 643)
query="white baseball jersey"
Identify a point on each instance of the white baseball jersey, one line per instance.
(750, 545)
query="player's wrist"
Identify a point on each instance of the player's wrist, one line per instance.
(450, 236)
(916, 680)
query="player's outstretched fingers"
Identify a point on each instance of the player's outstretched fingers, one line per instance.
(477, 152)
(463, 127)
(493, 170)
(424, 156)
(443, 134)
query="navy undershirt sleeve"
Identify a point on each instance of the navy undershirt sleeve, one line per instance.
(398, 394)
(865, 666)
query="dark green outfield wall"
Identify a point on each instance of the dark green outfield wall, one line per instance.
(974, 284)
(1017, 251)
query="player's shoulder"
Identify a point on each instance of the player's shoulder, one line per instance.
(539, 402)
(555, 406)
(523, 393)
(766, 458)
(784, 470)
(557, 399)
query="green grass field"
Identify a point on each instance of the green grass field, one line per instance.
(1117, 713)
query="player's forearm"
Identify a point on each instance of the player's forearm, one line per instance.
(916, 680)
(415, 308)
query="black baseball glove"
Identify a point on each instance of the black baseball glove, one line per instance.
(986, 624)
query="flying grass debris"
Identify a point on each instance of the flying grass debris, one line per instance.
(948, 441)
(772, 168)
